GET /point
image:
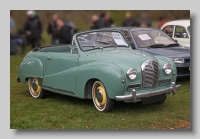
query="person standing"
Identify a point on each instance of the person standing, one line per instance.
(52, 30)
(33, 29)
(64, 32)
(101, 19)
(108, 22)
(143, 21)
(161, 22)
(128, 21)
(12, 24)
(95, 23)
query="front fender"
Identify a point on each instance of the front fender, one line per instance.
(30, 67)
(174, 70)
(109, 74)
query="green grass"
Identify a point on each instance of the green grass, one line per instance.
(64, 112)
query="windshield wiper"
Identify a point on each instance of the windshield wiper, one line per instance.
(107, 43)
(171, 45)
(89, 45)
(155, 46)
(93, 46)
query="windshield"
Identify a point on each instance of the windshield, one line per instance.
(146, 38)
(188, 29)
(95, 40)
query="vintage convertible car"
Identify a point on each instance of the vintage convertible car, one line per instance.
(156, 42)
(99, 65)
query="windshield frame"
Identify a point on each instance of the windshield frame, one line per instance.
(161, 45)
(100, 47)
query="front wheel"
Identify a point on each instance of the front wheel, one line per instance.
(35, 89)
(100, 98)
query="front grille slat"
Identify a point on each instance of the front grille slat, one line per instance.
(148, 80)
(148, 76)
(150, 73)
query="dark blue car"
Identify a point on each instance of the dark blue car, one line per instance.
(156, 42)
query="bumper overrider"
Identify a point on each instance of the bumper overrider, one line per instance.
(173, 88)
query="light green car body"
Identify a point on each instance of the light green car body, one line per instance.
(63, 71)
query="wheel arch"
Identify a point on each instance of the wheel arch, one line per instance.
(110, 75)
(88, 88)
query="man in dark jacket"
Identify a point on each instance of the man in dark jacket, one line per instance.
(33, 29)
(95, 23)
(52, 30)
(129, 21)
(108, 22)
(101, 18)
(143, 21)
(64, 32)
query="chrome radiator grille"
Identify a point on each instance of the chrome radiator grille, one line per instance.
(150, 73)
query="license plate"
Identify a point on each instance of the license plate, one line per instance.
(153, 99)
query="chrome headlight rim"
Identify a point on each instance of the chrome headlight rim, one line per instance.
(167, 69)
(178, 60)
(131, 74)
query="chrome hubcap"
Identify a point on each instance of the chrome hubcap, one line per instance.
(34, 85)
(99, 95)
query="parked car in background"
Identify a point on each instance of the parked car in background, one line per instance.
(156, 42)
(178, 30)
(99, 65)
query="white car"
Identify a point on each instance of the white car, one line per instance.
(179, 30)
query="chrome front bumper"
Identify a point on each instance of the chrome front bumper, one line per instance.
(173, 88)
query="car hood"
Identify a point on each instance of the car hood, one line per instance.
(169, 51)
(118, 57)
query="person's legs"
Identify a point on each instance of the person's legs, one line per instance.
(37, 43)
(32, 42)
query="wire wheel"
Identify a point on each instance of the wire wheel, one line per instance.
(34, 88)
(100, 99)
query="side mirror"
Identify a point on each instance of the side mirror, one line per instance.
(185, 35)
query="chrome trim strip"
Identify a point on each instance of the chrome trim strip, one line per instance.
(59, 89)
(173, 88)
(146, 63)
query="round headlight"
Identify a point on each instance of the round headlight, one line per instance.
(167, 69)
(131, 74)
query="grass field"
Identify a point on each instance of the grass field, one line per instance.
(64, 112)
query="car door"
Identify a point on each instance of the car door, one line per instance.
(61, 70)
(169, 30)
(181, 36)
